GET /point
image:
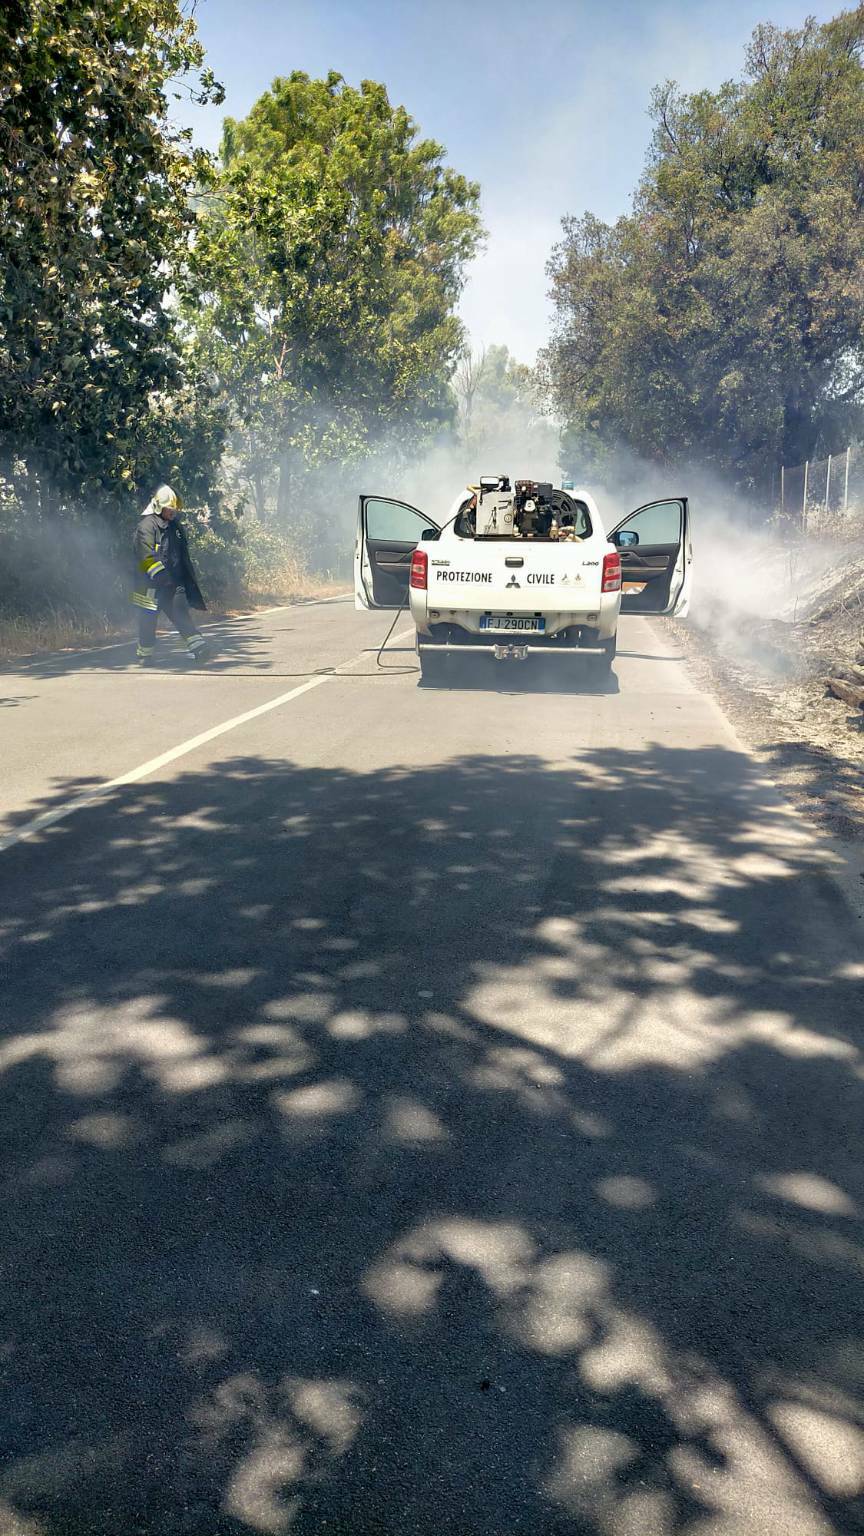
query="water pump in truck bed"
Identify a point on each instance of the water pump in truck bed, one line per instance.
(525, 512)
(532, 508)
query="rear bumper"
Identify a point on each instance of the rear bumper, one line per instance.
(511, 645)
(563, 627)
(501, 645)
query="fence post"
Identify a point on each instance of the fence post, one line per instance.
(846, 486)
(804, 502)
(828, 486)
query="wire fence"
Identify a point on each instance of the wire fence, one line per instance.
(824, 494)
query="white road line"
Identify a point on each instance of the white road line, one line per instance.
(49, 818)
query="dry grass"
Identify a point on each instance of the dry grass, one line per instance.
(287, 582)
(61, 629)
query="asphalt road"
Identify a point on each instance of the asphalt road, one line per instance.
(423, 1111)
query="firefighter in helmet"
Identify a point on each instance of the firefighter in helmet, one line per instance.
(163, 568)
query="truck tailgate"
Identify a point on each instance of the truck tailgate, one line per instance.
(515, 576)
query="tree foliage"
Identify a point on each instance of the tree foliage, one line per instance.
(723, 319)
(324, 280)
(94, 217)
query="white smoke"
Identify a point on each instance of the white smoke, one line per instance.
(756, 578)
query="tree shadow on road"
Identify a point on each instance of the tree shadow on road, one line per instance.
(473, 1149)
(832, 785)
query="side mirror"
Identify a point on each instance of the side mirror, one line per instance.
(627, 538)
(430, 533)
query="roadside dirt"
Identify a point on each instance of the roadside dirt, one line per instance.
(769, 678)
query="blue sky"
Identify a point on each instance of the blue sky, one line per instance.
(543, 103)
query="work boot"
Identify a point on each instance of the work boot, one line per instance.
(197, 648)
(144, 655)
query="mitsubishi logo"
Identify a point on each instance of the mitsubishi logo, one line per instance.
(513, 583)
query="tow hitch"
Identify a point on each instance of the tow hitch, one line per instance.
(511, 653)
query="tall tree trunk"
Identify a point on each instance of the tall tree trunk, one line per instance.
(45, 492)
(283, 494)
(259, 494)
(800, 431)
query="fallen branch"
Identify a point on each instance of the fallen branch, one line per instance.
(850, 693)
(851, 673)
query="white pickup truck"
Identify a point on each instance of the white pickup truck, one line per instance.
(523, 571)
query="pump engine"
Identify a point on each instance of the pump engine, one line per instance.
(533, 510)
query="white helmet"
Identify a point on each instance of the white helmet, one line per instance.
(164, 498)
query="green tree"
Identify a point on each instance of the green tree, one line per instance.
(94, 218)
(324, 281)
(723, 318)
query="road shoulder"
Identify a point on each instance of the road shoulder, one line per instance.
(814, 755)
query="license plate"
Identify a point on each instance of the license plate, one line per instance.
(515, 623)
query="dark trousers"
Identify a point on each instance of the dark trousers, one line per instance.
(176, 612)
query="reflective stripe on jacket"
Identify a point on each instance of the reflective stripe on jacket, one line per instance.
(162, 563)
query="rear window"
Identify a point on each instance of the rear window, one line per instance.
(581, 519)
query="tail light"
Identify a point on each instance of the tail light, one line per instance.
(611, 572)
(420, 569)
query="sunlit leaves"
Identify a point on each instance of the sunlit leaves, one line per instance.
(324, 277)
(94, 216)
(723, 320)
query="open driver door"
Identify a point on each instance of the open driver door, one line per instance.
(656, 551)
(388, 532)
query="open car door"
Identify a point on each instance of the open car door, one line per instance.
(388, 532)
(656, 551)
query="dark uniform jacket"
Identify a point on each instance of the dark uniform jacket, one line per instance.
(162, 563)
